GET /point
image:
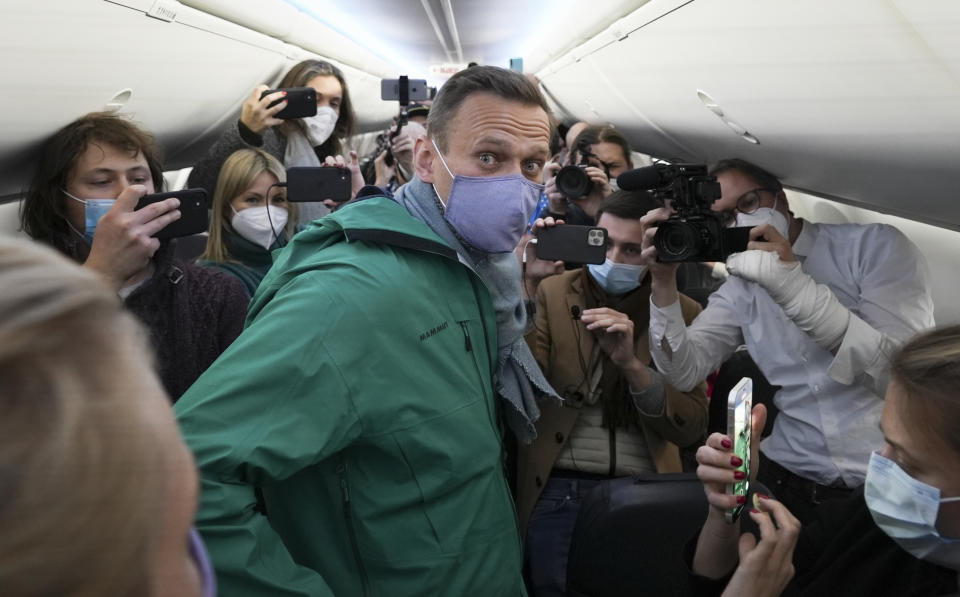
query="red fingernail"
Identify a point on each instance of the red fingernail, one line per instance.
(741, 499)
(726, 443)
(739, 475)
(284, 93)
(755, 511)
(764, 497)
(736, 460)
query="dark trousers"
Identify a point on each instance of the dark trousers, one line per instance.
(801, 496)
(549, 533)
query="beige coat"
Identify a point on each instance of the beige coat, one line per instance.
(554, 344)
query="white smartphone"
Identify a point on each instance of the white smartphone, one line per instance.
(739, 429)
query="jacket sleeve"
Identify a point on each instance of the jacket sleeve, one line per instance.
(687, 352)
(274, 404)
(538, 338)
(683, 420)
(237, 136)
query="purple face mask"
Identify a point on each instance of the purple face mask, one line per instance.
(490, 213)
(198, 551)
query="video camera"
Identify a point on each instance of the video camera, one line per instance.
(694, 232)
(573, 181)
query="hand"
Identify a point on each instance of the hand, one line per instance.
(356, 177)
(663, 276)
(557, 200)
(767, 238)
(614, 333)
(124, 242)
(601, 183)
(536, 269)
(766, 567)
(402, 148)
(255, 113)
(383, 172)
(717, 463)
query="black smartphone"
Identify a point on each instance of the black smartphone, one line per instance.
(573, 244)
(301, 102)
(739, 429)
(417, 90)
(194, 217)
(306, 183)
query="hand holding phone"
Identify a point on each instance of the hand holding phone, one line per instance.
(740, 430)
(194, 217)
(301, 102)
(307, 183)
(572, 244)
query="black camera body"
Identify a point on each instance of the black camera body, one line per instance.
(694, 232)
(573, 181)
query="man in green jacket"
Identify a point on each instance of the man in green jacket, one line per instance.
(349, 441)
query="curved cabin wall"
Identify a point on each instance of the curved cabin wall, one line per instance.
(188, 71)
(853, 100)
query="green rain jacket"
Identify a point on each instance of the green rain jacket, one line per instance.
(348, 441)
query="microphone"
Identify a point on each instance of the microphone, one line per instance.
(658, 175)
(641, 179)
(575, 311)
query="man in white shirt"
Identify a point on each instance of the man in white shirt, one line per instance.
(819, 307)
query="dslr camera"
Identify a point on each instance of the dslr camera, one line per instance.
(694, 232)
(573, 181)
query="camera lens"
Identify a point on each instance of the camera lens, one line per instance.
(573, 182)
(676, 241)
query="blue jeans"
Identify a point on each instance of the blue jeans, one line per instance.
(549, 533)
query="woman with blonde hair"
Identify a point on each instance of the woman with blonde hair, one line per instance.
(251, 217)
(98, 492)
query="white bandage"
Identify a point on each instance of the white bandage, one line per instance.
(813, 307)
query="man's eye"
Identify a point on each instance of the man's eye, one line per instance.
(533, 167)
(487, 158)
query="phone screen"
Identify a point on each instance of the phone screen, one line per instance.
(739, 405)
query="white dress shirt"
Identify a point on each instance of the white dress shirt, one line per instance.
(829, 404)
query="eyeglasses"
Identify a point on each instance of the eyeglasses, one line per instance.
(747, 203)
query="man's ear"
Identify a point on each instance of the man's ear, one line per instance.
(423, 154)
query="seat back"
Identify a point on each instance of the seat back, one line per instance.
(630, 535)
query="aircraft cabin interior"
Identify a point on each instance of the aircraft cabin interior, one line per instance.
(854, 104)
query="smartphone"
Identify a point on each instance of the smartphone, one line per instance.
(194, 217)
(301, 102)
(308, 183)
(573, 244)
(516, 64)
(739, 409)
(417, 89)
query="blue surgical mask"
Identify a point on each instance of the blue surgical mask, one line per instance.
(198, 551)
(490, 213)
(906, 510)
(617, 278)
(93, 210)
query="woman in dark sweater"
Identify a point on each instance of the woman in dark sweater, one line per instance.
(90, 175)
(899, 536)
(251, 217)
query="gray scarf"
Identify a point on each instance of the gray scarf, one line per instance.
(519, 381)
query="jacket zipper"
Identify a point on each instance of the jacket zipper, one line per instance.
(348, 514)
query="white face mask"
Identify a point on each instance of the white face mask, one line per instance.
(253, 224)
(320, 126)
(617, 278)
(766, 215)
(906, 510)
